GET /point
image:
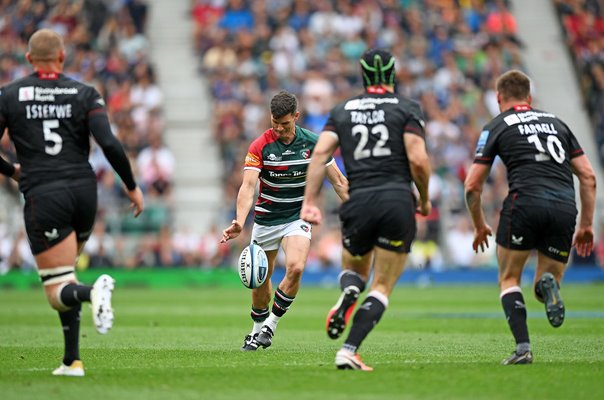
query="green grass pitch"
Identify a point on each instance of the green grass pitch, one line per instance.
(442, 342)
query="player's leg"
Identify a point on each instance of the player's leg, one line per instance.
(65, 295)
(511, 264)
(261, 298)
(554, 248)
(388, 267)
(296, 248)
(547, 288)
(352, 279)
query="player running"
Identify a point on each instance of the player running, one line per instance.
(381, 138)
(50, 118)
(541, 154)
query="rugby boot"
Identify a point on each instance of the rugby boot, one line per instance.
(554, 306)
(515, 358)
(100, 302)
(265, 337)
(75, 369)
(346, 359)
(250, 343)
(340, 313)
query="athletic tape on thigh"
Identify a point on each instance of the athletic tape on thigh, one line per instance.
(52, 276)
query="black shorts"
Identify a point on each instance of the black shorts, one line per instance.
(52, 211)
(384, 218)
(531, 223)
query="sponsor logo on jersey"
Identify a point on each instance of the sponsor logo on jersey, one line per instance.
(288, 152)
(305, 154)
(252, 160)
(29, 93)
(482, 141)
(26, 93)
(512, 119)
(368, 103)
(273, 157)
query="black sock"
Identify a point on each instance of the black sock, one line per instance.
(259, 314)
(366, 317)
(74, 294)
(350, 278)
(70, 320)
(281, 303)
(515, 312)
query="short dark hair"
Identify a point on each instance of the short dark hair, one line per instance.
(283, 103)
(377, 67)
(514, 85)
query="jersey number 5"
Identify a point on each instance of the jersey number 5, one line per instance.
(554, 148)
(378, 150)
(52, 137)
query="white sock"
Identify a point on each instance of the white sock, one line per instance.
(256, 328)
(272, 322)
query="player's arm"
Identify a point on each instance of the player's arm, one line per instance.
(337, 180)
(583, 239)
(6, 168)
(473, 186)
(113, 150)
(327, 144)
(419, 163)
(245, 200)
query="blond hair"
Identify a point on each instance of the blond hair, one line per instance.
(45, 45)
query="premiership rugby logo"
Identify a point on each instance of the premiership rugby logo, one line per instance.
(252, 160)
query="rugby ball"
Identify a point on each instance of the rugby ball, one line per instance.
(253, 266)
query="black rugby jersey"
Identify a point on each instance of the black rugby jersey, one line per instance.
(48, 117)
(536, 148)
(370, 129)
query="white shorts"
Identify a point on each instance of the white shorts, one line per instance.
(269, 237)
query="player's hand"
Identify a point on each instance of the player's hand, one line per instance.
(138, 203)
(481, 238)
(17, 175)
(424, 208)
(311, 214)
(584, 241)
(231, 232)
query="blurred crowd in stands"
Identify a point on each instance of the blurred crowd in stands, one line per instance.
(448, 54)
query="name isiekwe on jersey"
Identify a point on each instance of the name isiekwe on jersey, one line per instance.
(43, 94)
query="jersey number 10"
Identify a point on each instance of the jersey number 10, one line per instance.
(554, 148)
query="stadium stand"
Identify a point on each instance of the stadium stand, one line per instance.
(448, 53)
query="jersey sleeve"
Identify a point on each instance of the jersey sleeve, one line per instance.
(6, 168)
(330, 125)
(253, 159)
(95, 103)
(415, 122)
(573, 143)
(486, 147)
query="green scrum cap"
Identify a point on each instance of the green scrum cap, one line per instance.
(377, 67)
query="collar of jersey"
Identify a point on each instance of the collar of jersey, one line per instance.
(47, 75)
